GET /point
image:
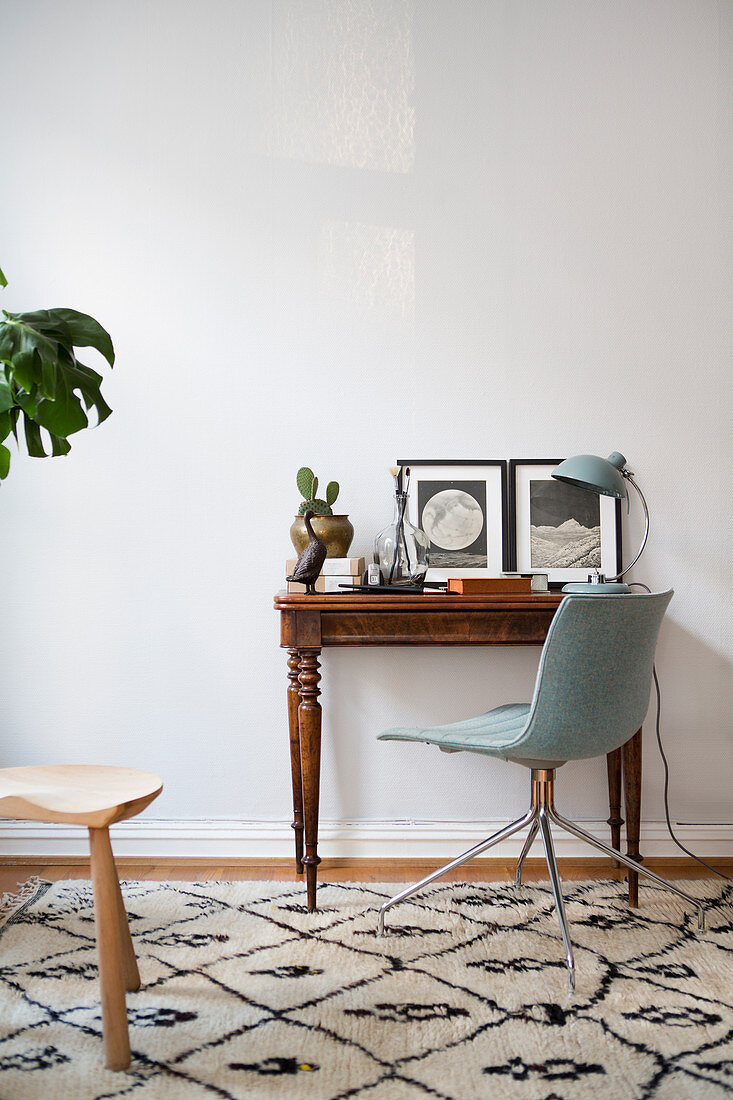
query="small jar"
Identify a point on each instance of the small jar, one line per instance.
(401, 550)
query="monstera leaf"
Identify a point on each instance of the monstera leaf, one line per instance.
(43, 383)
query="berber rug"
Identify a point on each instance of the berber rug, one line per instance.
(247, 995)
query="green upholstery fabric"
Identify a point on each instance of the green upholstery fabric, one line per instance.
(592, 688)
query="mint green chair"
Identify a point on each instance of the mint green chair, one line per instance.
(590, 697)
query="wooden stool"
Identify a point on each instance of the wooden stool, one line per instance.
(78, 794)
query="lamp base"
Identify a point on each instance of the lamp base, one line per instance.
(606, 588)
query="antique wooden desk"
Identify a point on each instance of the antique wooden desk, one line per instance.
(310, 623)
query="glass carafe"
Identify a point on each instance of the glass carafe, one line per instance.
(401, 550)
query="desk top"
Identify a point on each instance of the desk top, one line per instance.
(437, 601)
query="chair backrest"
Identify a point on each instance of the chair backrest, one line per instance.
(594, 677)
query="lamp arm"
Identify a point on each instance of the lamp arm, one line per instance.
(630, 478)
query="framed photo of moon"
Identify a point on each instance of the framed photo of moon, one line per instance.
(462, 506)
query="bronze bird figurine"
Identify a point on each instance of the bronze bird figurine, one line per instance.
(309, 564)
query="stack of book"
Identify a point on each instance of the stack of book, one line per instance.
(511, 585)
(335, 572)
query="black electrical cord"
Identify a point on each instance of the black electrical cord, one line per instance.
(666, 785)
(679, 844)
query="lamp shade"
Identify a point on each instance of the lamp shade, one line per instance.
(599, 475)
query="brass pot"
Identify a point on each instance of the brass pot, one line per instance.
(335, 532)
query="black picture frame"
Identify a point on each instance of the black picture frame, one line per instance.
(464, 475)
(562, 497)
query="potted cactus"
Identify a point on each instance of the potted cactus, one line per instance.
(335, 532)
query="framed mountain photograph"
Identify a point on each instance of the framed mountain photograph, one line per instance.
(559, 529)
(462, 506)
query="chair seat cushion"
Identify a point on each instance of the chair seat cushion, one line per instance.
(492, 733)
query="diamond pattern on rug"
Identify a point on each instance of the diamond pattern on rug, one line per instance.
(246, 994)
(286, 1059)
(525, 1061)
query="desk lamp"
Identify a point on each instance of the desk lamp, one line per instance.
(607, 477)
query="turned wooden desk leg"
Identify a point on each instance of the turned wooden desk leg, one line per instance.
(309, 720)
(613, 765)
(632, 791)
(295, 766)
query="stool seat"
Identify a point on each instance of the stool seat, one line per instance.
(76, 794)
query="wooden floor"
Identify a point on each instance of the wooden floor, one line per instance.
(14, 872)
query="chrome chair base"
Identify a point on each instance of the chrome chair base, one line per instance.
(539, 816)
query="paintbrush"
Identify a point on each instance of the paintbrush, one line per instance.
(395, 472)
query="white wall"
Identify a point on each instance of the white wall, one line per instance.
(510, 221)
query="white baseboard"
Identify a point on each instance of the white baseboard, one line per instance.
(231, 839)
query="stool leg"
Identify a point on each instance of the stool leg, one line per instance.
(129, 962)
(112, 956)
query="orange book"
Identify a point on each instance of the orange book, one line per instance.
(489, 586)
